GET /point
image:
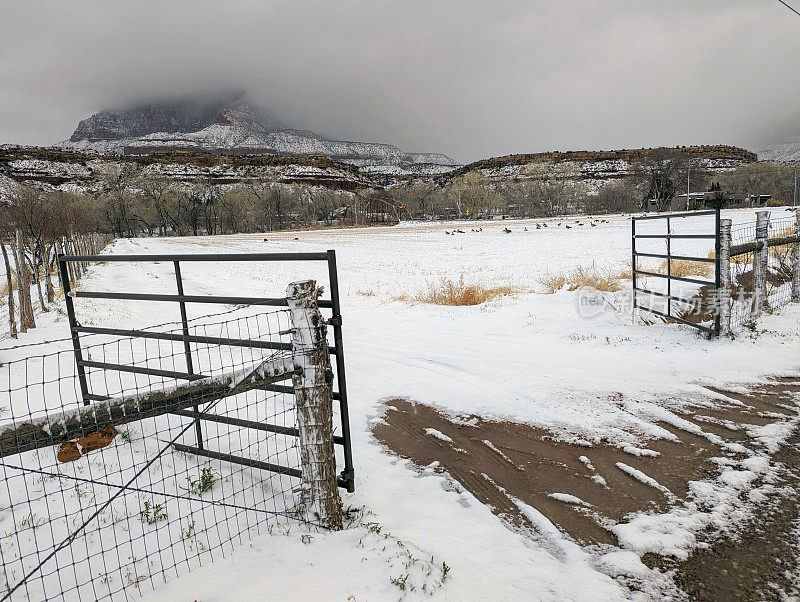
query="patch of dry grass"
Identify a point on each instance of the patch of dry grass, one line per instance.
(624, 273)
(449, 292)
(782, 253)
(580, 277)
(684, 268)
(4, 290)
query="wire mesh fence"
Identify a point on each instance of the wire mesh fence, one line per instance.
(778, 270)
(742, 280)
(120, 508)
(779, 278)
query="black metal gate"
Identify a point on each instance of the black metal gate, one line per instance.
(346, 477)
(643, 296)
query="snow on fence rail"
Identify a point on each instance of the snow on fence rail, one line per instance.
(100, 500)
(764, 266)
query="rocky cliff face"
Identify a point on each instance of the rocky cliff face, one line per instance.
(786, 150)
(51, 169)
(232, 125)
(597, 168)
(781, 143)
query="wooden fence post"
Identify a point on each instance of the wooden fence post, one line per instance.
(313, 392)
(760, 260)
(724, 291)
(796, 259)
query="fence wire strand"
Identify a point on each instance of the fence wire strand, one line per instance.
(779, 269)
(83, 523)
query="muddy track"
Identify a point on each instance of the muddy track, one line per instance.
(585, 489)
(760, 562)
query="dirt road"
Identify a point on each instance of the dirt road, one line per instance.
(584, 489)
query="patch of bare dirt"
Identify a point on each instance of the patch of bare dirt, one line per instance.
(759, 562)
(501, 462)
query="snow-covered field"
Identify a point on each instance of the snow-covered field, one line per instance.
(528, 357)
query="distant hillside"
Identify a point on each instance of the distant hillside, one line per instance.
(54, 168)
(782, 142)
(706, 152)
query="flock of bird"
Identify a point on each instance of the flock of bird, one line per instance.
(576, 223)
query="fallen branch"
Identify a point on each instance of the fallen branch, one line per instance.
(18, 437)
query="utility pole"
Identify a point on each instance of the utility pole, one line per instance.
(794, 198)
(688, 170)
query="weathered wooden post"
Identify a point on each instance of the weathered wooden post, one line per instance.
(313, 392)
(796, 259)
(724, 291)
(760, 260)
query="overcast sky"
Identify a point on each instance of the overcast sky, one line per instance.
(470, 79)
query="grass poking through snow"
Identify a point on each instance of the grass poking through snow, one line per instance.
(685, 269)
(581, 277)
(449, 292)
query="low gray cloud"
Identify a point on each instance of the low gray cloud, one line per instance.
(471, 79)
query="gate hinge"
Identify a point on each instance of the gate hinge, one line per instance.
(347, 480)
(335, 320)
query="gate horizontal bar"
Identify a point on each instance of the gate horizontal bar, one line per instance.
(675, 236)
(252, 424)
(679, 257)
(680, 214)
(278, 302)
(189, 449)
(318, 256)
(681, 278)
(169, 336)
(674, 298)
(140, 370)
(676, 319)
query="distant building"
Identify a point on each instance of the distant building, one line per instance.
(701, 200)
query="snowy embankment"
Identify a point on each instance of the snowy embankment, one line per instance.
(528, 357)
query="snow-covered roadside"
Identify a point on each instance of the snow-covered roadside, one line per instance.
(529, 357)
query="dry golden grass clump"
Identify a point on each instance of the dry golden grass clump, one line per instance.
(684, 268)
(449, 292)
(625, 272)
(782, 253)
(580, 277)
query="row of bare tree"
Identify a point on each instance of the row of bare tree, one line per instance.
(35, 226)
(132, 203)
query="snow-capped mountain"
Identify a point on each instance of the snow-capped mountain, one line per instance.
(234, 125)
(784, 151)
(782, 143)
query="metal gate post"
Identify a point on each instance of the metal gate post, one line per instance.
(633, 267)
(796, 259)
(723, 300)
(73, 323)
(669, 270)
(348, 475)
(718, 266)
(187, 349)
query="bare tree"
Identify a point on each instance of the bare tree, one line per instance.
(157, 192)
(26, 319)
(12, 320)
(5, 230)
